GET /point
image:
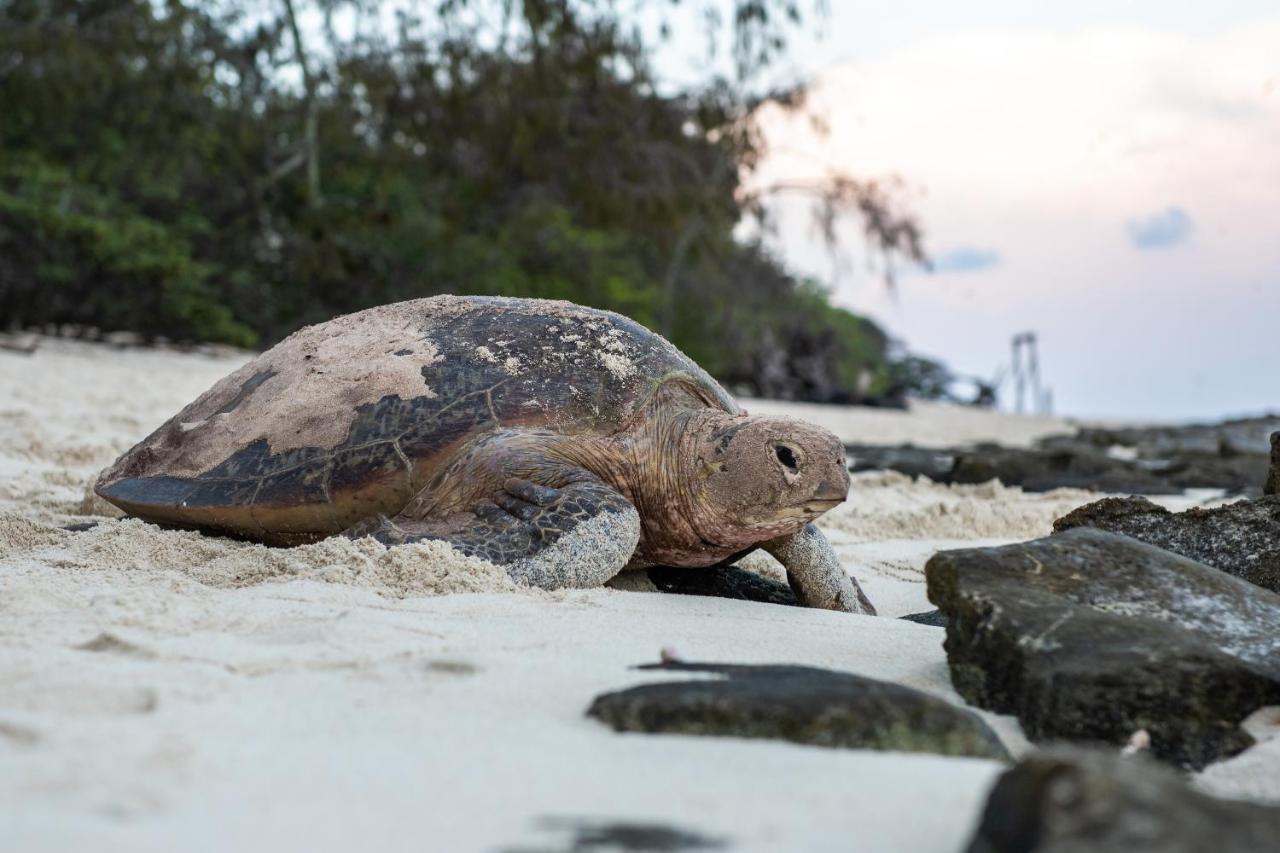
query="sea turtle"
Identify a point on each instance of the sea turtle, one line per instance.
(560, 442)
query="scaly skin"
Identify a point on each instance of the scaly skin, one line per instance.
(656, 465)
(515, 494)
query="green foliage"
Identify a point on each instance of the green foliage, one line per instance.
(919, 377)
(74, 255)
(161, 173)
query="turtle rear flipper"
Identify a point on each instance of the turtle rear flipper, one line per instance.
(577, 536)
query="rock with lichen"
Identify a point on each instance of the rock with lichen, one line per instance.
(798, 704)
(1242, 538)
(1073, 801)
(1091, 636)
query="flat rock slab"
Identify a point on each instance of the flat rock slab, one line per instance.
(1091, 636)
(905, 459)
(1242, 538)
(1239, 437)
(798, 704)
(1069, 462)
(1159, 460)
(1074, 801)
(1060, 468)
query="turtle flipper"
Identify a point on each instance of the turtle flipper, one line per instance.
(815, 573)
(577, 536)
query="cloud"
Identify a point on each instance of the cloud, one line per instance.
(1173, 227)
(966, 259)
(1060, 149)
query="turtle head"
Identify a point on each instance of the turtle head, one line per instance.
(764, 477)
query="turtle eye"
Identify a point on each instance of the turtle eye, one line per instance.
(787, 457)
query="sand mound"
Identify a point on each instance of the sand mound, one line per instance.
(430, 568)
(889, 505)
(19, 535)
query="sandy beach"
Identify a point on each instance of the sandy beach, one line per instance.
(166, 690)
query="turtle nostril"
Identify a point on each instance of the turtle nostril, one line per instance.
(786, 457)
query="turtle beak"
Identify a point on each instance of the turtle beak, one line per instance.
(832, 490)
(830, 493)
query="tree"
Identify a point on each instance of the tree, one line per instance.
(152, 177)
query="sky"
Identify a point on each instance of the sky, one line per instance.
(1106, 175)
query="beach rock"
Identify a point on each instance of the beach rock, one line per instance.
(592, 835)
(1232, 456)
(1073, 464)
(1090, 636)
(1241, 436)
(798, 704)
(1241, 538)
(1078, 467)
(1273, 476)
(933, 618)
(80, 526)
(936, 465)
(1073, 801)
(722, 582)
(1042, 471)
(1234, 474)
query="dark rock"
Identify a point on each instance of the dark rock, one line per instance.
(1232, 456)
(1090, 636)
(1241, 538)
(1235, 474)
(1248, 435)
(1072, 801)
(722, 582)
(81, 526)
(1072, 464)
(935, 618)
(798, 704)
(1042, 471)
(1242, 436)
(1273, 476)
(585, 835)
(912, 461)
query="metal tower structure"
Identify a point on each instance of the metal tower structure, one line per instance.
(1026, 372)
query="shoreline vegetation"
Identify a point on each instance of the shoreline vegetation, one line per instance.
(206, 174)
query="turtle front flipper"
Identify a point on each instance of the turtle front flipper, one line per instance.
(576, 536)
(815, 573)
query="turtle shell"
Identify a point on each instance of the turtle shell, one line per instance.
(352, 417)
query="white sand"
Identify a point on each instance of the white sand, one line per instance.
(925, 425)
(162, 690)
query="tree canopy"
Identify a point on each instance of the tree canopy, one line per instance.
(231, 171)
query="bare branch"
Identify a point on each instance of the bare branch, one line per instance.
(311, 130)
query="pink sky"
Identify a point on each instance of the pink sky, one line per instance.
(1115, 188)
